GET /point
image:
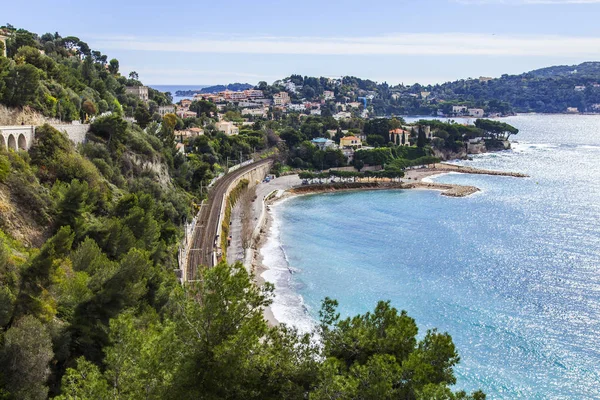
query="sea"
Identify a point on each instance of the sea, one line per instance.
(511, 272)
(175, 88)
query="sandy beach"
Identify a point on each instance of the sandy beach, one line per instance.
(266, 194)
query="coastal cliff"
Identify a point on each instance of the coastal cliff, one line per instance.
(471, 148)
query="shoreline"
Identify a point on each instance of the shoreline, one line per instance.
(414, 179)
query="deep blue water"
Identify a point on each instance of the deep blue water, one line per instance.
(512, 272)
(174, 88)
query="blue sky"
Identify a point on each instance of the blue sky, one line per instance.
(398, 41)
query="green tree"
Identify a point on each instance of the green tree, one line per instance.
(113, 66)
(84, 382)
(72, 206)
(421, 139)
(142, 116)
(9, 285)
(24, 359)
(377, 356)
(22, 83)
(203, 108)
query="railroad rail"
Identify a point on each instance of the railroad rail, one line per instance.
(205, 237)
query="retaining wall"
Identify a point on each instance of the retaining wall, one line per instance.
(254, 176)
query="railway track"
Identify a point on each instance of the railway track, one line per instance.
(205, 235)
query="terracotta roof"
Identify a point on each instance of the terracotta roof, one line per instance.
(350, 138)
(398, 131)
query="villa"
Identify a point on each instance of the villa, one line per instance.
(139, 91)
(323, 143)
(188, 133)
(256, 112)
(350, 141)
(328, 95)
(227, 128)
(459, 109)
(476, 112)
(400, 137)
(281, 98)
(164, 110)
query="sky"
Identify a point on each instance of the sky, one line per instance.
(397, 41)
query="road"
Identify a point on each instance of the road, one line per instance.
(204, 236)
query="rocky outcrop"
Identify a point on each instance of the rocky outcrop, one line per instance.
(471, 148)
(446, 155)
(139, 165)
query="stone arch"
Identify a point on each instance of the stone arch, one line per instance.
(12, 142)
(22, 142)
(2, 142)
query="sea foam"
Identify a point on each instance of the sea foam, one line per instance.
(288, 306)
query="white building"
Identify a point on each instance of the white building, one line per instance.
(296, 107)
(328, 95)
(342, 115)
(254, 94)
(189, 132)
(459, 109)
(323, 143)
(476, 112)
(256, 112)
(227, 128)
(281, 98)
(164, 110)
(315, 112)
(139, 91)
(579, 88)
(291, 86)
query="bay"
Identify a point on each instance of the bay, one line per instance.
(512, 272)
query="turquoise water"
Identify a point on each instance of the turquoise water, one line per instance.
(512, 272)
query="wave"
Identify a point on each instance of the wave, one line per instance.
(432, 178)
(288, 305)
(527, 147)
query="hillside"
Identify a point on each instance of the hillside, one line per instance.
(586, 69)
(62, 78)
(90, 307)
(547, 90)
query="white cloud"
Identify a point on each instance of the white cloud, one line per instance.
(396, 44)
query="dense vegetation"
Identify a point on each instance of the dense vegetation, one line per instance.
(95, 311)
(63, 78)
(547, 90)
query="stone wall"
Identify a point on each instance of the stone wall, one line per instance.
(21, 137)
(75, 132)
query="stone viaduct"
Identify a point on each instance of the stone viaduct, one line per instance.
(20, 137)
